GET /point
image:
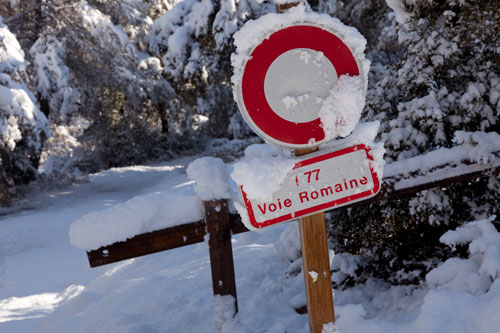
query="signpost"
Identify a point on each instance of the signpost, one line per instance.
(284, 82)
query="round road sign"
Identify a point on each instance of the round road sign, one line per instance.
(286, 79)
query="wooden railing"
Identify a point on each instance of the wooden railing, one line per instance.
(194, 232)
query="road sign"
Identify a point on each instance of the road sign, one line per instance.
(317, 184)
(286, 79)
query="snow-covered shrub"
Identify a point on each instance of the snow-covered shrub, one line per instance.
(445, 82)
(23, 128)
(476, 273)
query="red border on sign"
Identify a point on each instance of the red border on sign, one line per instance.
(324, 206)
(254, 98)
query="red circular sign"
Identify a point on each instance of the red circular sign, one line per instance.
(266, 122)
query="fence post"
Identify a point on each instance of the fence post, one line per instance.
(221, 251)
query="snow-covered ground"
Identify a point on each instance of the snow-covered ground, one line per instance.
(46, 285)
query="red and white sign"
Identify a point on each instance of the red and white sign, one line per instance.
(316, 184)
(285, 80)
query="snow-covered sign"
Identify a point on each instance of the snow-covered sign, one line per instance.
(316, 184)
(301, 84)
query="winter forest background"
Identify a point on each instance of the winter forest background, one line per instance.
(90, 85)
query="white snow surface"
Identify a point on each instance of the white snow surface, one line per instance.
(47, 285)
(474, 147)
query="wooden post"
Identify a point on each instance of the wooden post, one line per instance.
(315, 260)
(316, 265)
(221, 250)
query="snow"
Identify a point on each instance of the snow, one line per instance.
(399, 9)
(11, 54)
(329, 328)
(6, 96)
(262, 171)
(313, 275)
(100, 25)
(47, 285)
(473, 146)
(341, 110)
(210, 177)
(163, 208)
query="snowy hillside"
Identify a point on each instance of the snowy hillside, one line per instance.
(47, 285)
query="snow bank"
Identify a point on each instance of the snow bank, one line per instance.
(210, 177)
(136, 216)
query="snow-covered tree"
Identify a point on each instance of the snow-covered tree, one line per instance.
(447, 81)
(194, 42)
(23, 128)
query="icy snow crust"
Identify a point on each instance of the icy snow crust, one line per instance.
(341, 110)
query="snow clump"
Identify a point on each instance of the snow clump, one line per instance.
(477, 273)
(262, 171)
(210, 177)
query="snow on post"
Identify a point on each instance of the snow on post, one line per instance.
(210, 177)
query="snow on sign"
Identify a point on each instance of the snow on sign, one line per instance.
(286, 83)
(317, 184)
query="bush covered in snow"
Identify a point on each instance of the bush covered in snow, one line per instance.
(445, 78)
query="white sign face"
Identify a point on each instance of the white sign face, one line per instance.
(317, 184)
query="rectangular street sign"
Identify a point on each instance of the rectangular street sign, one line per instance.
(317, 184)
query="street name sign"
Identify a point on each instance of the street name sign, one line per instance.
(316, 184)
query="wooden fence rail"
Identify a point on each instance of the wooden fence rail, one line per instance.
(192, 233)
